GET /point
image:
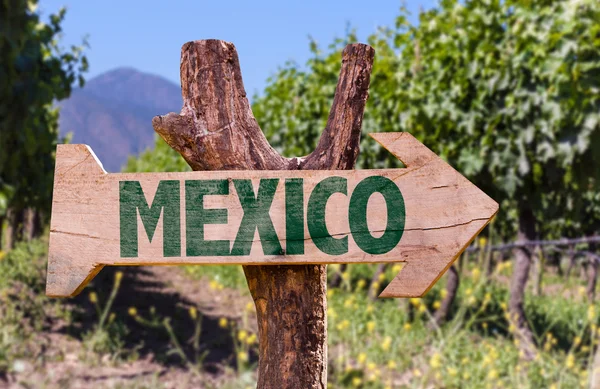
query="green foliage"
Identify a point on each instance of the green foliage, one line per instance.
(507, 92)
(34, 73)
(25, 264)
(162, 158)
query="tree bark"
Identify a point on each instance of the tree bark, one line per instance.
(373, 292)
(519, 281)
(539, 270)
(14, 230)
(571, 262)
(441, 315)
(32, 226)
(216, 130)
(592, 273)
(336, 279)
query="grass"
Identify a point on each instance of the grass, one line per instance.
(392, 343)
(383, 343)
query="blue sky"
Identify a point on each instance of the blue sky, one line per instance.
(148, 35)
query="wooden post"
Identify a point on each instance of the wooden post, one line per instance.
(216, 130)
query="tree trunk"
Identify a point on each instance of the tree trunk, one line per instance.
(539, 270)
(217, 131)
(592, 277)
(31, 224)
(571, 262)
(441, 315)
(336, 279)
(373, 292)
(14, 230)
(519, 281)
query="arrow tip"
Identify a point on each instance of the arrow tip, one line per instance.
(405, 147)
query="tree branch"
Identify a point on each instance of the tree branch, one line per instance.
(216, 130)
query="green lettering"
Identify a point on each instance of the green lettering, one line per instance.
(196, 216)
(166, 201)
(294, 216)
(357, 215)
(256, 216)
(316, 216)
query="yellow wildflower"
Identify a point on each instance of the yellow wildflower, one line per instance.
(476, 273)
(437, 304)
(132, 311)
(435, 361)
(387, 342)
(415, 301)
(223, 322)
(381, 277)
(251, 339)
(406, 326)
(484, 325)
(362, 358)
(93, 297)
(371, 366)
(469, 291)
(482, 241)
(417, 373)
(213, 284)
(570, 363)
(375, 286)
(249, 306)
(581, 291)
(493, 374)
(391, 364)
(356, 381)
(370, 326)
(443, 293)
(118, 276)
(487, 298)
(193, 313)
(466, 375)
(591, 312)
(503, 306)
(330, 292)
(360, 284)
(242, 335)
(111, 317)
(452, 371)
(331, 313)
(577, 341)
(343, 325)
(422, 308)
(585, 349)
(243, 356)
(396, 268)
(370, 308)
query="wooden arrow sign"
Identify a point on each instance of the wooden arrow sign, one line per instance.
(424, 215)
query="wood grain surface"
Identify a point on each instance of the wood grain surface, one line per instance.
(265, 217)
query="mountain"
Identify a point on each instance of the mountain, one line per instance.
(113, 113)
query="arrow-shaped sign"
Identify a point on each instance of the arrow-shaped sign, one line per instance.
(424, 215)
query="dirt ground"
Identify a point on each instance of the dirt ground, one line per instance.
(62, 362)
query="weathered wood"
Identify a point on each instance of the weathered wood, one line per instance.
(216, 130)
(428, 215)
